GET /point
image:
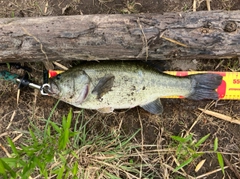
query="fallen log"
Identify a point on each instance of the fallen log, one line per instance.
(203, 34)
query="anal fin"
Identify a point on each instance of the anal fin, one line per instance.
(154, 107)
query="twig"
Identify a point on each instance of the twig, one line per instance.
(18, 95)
(10, 123)
(18, 137)
(194, 5)
(196, 121)
(172, 169)
(208, 5)
(233, 168)
(60, 65)
(220, 116)
(212, 172)
(41, 46)
(142, 141)
(7, 133)
(171, 40)
(5, 150)
(178, 164)
(145, 42)
(48, 64)
(174, 41)
(46, 8)
(219, 64)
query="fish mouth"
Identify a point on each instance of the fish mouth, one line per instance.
(53, 89)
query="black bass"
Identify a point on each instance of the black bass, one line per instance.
(106, 86)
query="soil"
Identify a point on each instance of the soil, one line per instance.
(179, 114)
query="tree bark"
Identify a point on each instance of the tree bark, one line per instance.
(214, 34)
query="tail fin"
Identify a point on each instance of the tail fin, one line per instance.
(204, 86)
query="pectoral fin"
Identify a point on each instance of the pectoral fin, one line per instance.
(154, 107)
(104, 85)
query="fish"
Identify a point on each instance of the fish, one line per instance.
(109, 85)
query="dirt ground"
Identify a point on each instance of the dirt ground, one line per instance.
(179, 114)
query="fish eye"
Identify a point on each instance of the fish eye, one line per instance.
(58, 77)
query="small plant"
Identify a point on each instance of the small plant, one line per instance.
(131, 7)
(41, 150)
(72, 151)
(188, 150)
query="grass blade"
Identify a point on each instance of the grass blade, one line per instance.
(215, 144)
(69, 119)
(64, 138)
(76, 136)
(220, 161)
(33, 136)
(13, 147)
(183, 164)
(4, 168)
(49, 119)
(55, 127)
(128, 140)
(179, 139)
(60, 173)
(75, 169)
(203, 139)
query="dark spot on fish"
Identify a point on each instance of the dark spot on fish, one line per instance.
(71, 97)
(133, 88)
(132, 93)
(144, 88)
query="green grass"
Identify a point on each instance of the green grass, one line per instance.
(189, 149)
(70, 150)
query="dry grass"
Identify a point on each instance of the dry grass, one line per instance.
(15, 8)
